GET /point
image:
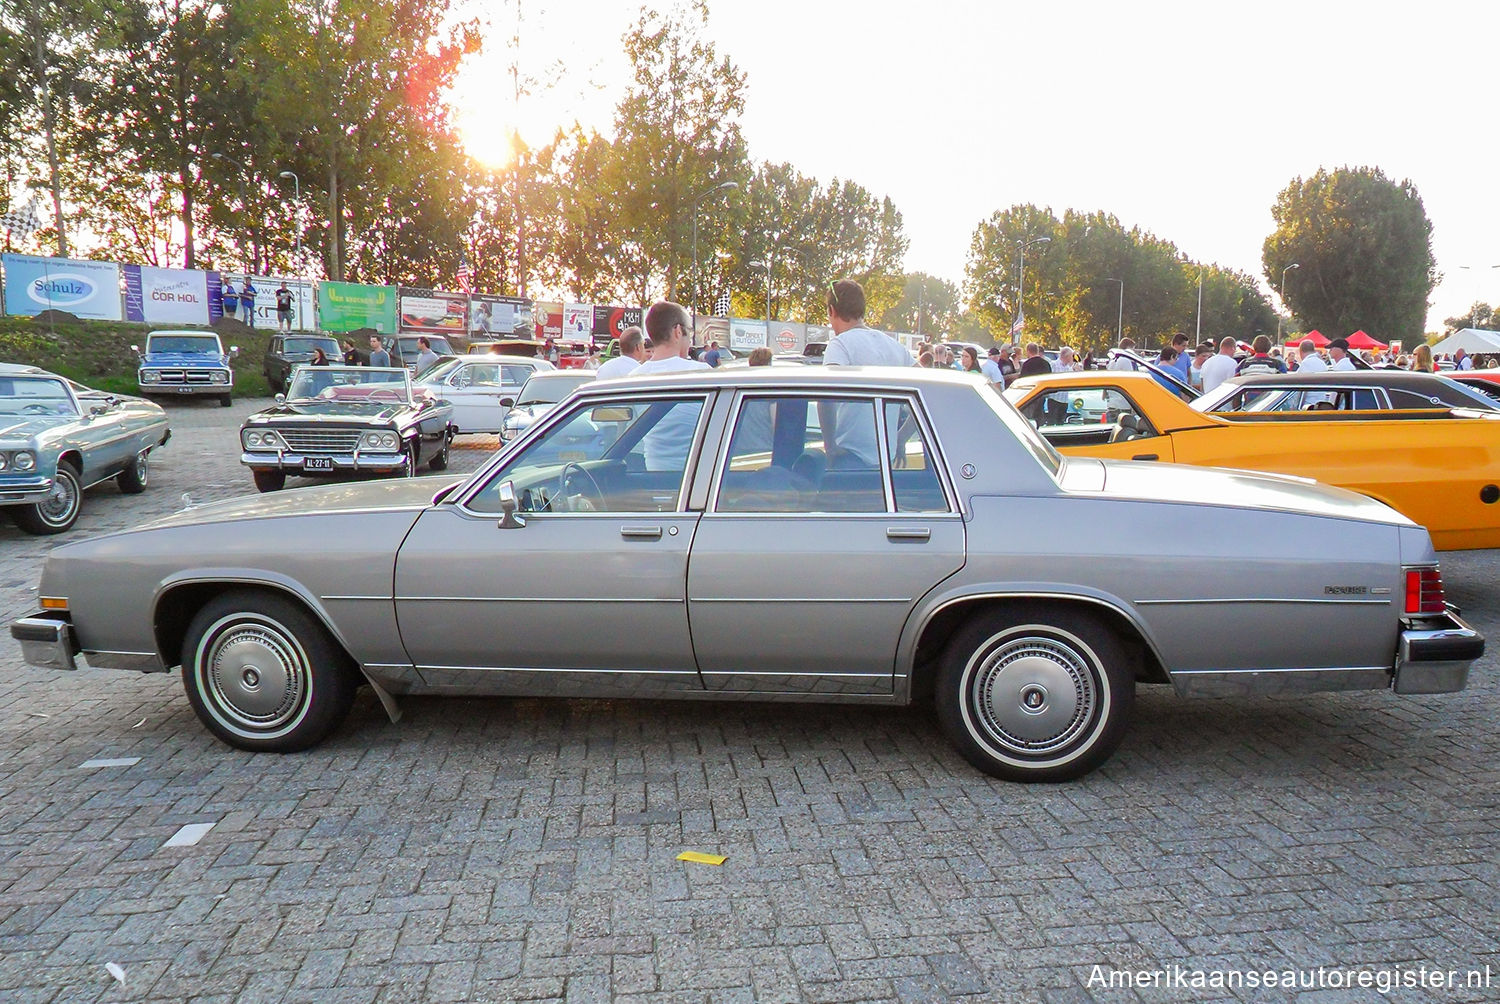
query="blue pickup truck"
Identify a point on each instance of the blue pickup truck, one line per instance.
(186, 362)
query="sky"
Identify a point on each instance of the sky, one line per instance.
(1186, 119)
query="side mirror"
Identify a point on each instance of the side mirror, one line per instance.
(507, 402)
(97, 410)
(508, 518)
(281, 399)
(234, 350)
(135, 348)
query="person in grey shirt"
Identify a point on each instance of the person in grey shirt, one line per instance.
(849, 429)
(426, 357)
(378, 355)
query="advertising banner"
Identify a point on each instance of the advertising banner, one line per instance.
(788, 336)
(171, 295)
(578, 322)
(85, 288)
(304, 300)
(493, 316)
(610, 321)
(711, 329)
(549, 320)
(432, 311)
(349, 306)
(745, 335)
(817, 333)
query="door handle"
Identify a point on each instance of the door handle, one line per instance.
(1146, 456)
(907, 533)
(641, 532)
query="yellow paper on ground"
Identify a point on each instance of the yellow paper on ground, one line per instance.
(698, 857)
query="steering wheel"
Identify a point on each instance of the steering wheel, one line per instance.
(595, 504)
(36, 409)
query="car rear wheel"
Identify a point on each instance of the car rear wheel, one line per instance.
(1035, 693)
(269, 481)
(59, 510)
(263, 675)
(133, 479)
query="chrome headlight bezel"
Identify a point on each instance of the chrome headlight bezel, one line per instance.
(23, 461)
(150, 376)
(220, 376)
(380, 441)
(262, 439)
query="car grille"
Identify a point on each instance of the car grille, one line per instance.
(187, 376)
(321, 440)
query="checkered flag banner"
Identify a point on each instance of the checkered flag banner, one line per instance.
(721, 305)
(22, 221)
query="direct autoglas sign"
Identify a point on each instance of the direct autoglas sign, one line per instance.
(61, 290)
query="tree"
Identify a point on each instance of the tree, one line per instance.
(928, 306)
(1480, 315)
(1363, 245)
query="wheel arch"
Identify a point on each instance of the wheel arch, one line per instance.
(928, 632)
(74, 457)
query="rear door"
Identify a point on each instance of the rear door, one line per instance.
(808, 559)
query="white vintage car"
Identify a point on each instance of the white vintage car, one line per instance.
(774, 534)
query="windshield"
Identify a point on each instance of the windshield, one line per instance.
(306, 345)
(439, 370)
(552, 389)
(183, 343)
(349, 383)
(35, 395)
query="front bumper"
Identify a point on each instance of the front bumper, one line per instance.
(349, 462)
(23, 491)
(1435, 654)
(216, 389)
(47, 640)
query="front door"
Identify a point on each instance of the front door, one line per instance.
(588, 597)
(824, 529)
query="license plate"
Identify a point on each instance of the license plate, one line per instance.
(184, 390)
(318, 464)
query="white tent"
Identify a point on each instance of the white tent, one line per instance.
(1471, 340)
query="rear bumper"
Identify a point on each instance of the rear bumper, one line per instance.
(47, 640)
(1434, 655)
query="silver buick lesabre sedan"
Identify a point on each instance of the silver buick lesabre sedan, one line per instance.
(798, 534)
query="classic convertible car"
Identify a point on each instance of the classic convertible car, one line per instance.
(58, 438)
(797, 534)
(342, 420)
(1440, 466)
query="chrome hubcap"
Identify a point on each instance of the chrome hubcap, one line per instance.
(1035, 695)
(257, 677)
(58, 506)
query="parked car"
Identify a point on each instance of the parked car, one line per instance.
(525, 347)
(1486, 381)
(1387, 455)
(540, 395)
(58, 438)
(186, 362)
(787, 534)
(478, 386)
(404, 350)
(286, 351)
(1357, 390)
(343, 420)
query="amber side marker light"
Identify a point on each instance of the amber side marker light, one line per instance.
(54, 603)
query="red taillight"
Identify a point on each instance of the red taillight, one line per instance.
(1424, 591)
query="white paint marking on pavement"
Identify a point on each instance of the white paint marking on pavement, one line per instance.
(124, 761)
(115, 971)
(189, 835)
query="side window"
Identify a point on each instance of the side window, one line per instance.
(914, 479)
(1365, 400)
(515, 376)
(803, 455)
(484, 374)
(603, 456)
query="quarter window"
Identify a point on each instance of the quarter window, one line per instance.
(604, 456)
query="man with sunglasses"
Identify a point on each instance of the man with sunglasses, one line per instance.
(666, 445)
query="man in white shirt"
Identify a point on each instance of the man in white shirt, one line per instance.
(632, 354)
(849, 429)
(666, 445)
(1220, 367)
(1338, 351)
(1310, 361)
(1120, 362)
(991, 368)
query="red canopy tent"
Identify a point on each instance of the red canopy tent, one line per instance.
(1360, 340)
(1315, 336)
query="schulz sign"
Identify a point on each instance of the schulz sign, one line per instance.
(83, 288)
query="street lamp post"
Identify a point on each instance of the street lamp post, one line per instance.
(1120, 319)
(1283, 298)
(1198, 329)
(698, 201)
(297, 188)
(1021, 246)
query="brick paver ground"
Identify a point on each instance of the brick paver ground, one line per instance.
(500, 850)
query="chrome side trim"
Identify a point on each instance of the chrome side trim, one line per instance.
(548, 669)
(1260, 682)
(798, 599)
(141, 662)
(353, 596)
(1260, 599)
(530, 599)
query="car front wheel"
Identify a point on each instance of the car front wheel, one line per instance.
(269, 481)
(439, 460)
(59, 510)
(263, 675)
(1035, 693)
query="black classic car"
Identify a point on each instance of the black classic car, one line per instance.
(287, 351)
(343, 420)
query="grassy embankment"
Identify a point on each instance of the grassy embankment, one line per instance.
(97, 353)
